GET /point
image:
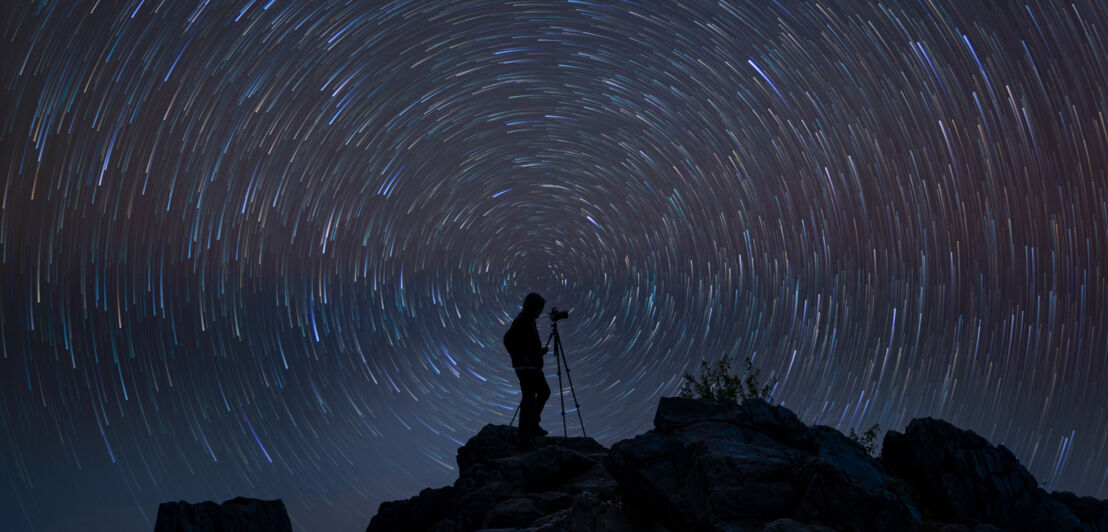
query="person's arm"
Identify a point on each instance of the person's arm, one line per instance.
(536, 342)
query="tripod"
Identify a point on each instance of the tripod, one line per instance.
(560, 357)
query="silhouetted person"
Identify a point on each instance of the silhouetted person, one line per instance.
(526, 349)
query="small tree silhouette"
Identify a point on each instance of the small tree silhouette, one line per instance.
(716, 382)
(867, 439)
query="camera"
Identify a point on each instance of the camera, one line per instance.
(556, 315)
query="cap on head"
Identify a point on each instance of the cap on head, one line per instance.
(533, 302)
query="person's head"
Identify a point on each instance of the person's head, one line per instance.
(533, 305)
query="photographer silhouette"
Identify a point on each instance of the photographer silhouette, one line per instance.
(525, 347)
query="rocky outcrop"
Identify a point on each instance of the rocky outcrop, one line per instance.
(745, 467)
(561, 484)
(961, 477)
(741, 467)
(236, 515)
(1093, 513)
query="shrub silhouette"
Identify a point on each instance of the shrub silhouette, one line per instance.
(867, 439)
(716, 382)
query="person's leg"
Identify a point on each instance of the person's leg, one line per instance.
(542, 393)
(535, 394)
(526, 401)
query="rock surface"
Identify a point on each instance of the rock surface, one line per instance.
(961, 477)
(236, 515)
(741, 467)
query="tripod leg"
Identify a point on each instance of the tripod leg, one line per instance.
(561, 390)
(577, 406)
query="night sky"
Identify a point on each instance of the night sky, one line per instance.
(269, 248)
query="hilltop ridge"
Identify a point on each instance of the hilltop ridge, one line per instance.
(742, 467)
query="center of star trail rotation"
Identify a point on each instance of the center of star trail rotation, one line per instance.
(269, 248)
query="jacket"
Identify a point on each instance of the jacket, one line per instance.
(523, 343)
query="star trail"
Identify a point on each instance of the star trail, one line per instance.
(269, 248)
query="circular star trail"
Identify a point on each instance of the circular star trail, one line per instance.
(269, 248)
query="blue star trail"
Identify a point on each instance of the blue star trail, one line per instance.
(269, 248)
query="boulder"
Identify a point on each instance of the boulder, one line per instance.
(1093, 513)
(711, 465)
(957, 527)
(651, 470)
(589, 512)
(753, 421)
(492, 441)
(544, 468)
(779, 423)
(501, 486)
(475, 504)
(729, 480)
(238, 514)
(517, 512)
(962, 478)
(416, 513)
(833, 497)
(676, 412)
(788, 525)
(848, 456)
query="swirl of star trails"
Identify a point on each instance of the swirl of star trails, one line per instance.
(269, 247)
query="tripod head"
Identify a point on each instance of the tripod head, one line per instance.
(556, 315)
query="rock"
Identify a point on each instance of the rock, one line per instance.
(676, 412)
(1093, 513)
(750, 467)
(693, 485)
(849, 457)
(651, 469)
(732, 480)
(751, 419)
(779, 423)
(698, 431)
(712, 462)
(958, 527)
(591, 513)
(416, 513)
(585, 446)
(493, 441)
(778, 525)
(833, 497)
(474, 505)
(962, 478)
(446, 525)
(238, 514)
(503, 486)
(517, 512)
(544, 468)
(788, 525)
